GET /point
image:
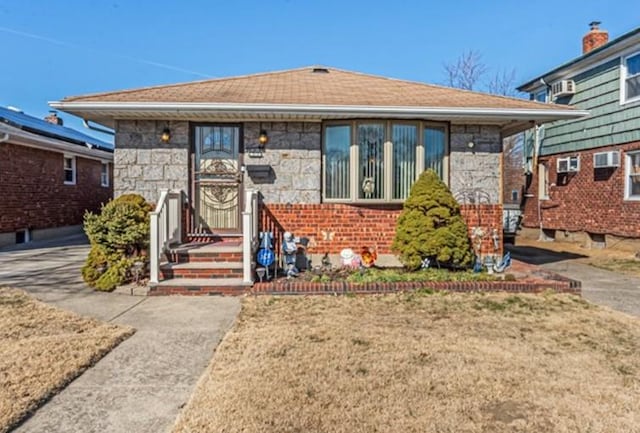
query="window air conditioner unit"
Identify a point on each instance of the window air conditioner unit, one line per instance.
(563, 88)
(606, 159)
(569, 164)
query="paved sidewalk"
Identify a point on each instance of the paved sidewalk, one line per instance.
(141, 385)
(618, 291)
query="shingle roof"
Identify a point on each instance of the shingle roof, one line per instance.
(313, 85)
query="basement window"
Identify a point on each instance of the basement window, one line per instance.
(69, 170)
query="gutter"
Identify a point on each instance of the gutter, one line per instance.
(320, 110)
(28, 139)
(87, 125)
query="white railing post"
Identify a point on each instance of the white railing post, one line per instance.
(154, 254)
(165, 227)
(248, 234)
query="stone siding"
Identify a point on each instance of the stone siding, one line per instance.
(144, 164)
(292, 157)
(475, 174)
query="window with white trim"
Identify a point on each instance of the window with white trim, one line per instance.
(104, 174)
(69, 170)
(631, 78)
(377, 160)
(632, 177)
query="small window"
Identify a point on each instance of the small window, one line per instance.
(632, 188)
(541, 96)
(631, 78)
(543, 182)
(104, 174)
(69, 170)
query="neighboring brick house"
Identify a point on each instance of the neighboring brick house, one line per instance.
(49, 176)
(332, 153)
(585, 173)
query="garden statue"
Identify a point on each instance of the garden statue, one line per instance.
(368, 256)
(350, 259)
(265, 256)
(289, 250)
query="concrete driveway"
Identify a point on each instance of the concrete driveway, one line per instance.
(141, 385)
(618, 291)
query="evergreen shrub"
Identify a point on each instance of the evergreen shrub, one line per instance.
(431, 227)
(119, 236)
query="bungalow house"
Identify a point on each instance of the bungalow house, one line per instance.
(584, 184)
(331, 154)
(49, 176)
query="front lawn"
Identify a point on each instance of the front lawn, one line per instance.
(43, 348)
(418, 362)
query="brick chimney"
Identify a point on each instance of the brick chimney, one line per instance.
(53, 118)
(595, 38)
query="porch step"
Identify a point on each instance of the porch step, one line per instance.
(228, 251)
(201, 269)
(200, 286)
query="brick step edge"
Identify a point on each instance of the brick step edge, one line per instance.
(198, 290)
(343, 287)
(309, 288)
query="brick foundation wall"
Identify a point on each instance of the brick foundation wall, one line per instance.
(34, 195)
(589, 200)
(334, 227)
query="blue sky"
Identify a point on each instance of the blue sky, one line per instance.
(69, 47)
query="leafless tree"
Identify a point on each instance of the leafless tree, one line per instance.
(467, 71)
(503, 83)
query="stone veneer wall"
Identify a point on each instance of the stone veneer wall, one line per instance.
(143, 164)
(293, 155)
(474, 174)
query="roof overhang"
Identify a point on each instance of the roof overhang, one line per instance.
(512, 120)
(24, 138)
(602, 54)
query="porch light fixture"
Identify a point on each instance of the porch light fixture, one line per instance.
(263, 139)
(166, 135)
(471, 145)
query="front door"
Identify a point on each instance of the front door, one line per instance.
(217, 179)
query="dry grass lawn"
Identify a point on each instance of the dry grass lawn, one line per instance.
(422, 363)
(42, 349)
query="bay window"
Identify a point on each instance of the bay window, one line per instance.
(378, 161)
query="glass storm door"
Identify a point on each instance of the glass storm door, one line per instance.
(217, 179)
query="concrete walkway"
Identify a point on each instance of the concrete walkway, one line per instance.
(141, 385)
(618, 291)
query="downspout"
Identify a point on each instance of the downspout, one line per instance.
(87, 125)
(536, 150)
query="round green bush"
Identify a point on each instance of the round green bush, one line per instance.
(119, 236)
(431, 226)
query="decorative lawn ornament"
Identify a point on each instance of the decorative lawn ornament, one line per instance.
(504, 263)
(368, 186)
(368, 256)
(265, 255)
(350, 259)
(289, 250)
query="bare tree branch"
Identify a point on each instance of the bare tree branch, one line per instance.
(467, 71)
(503, 83)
